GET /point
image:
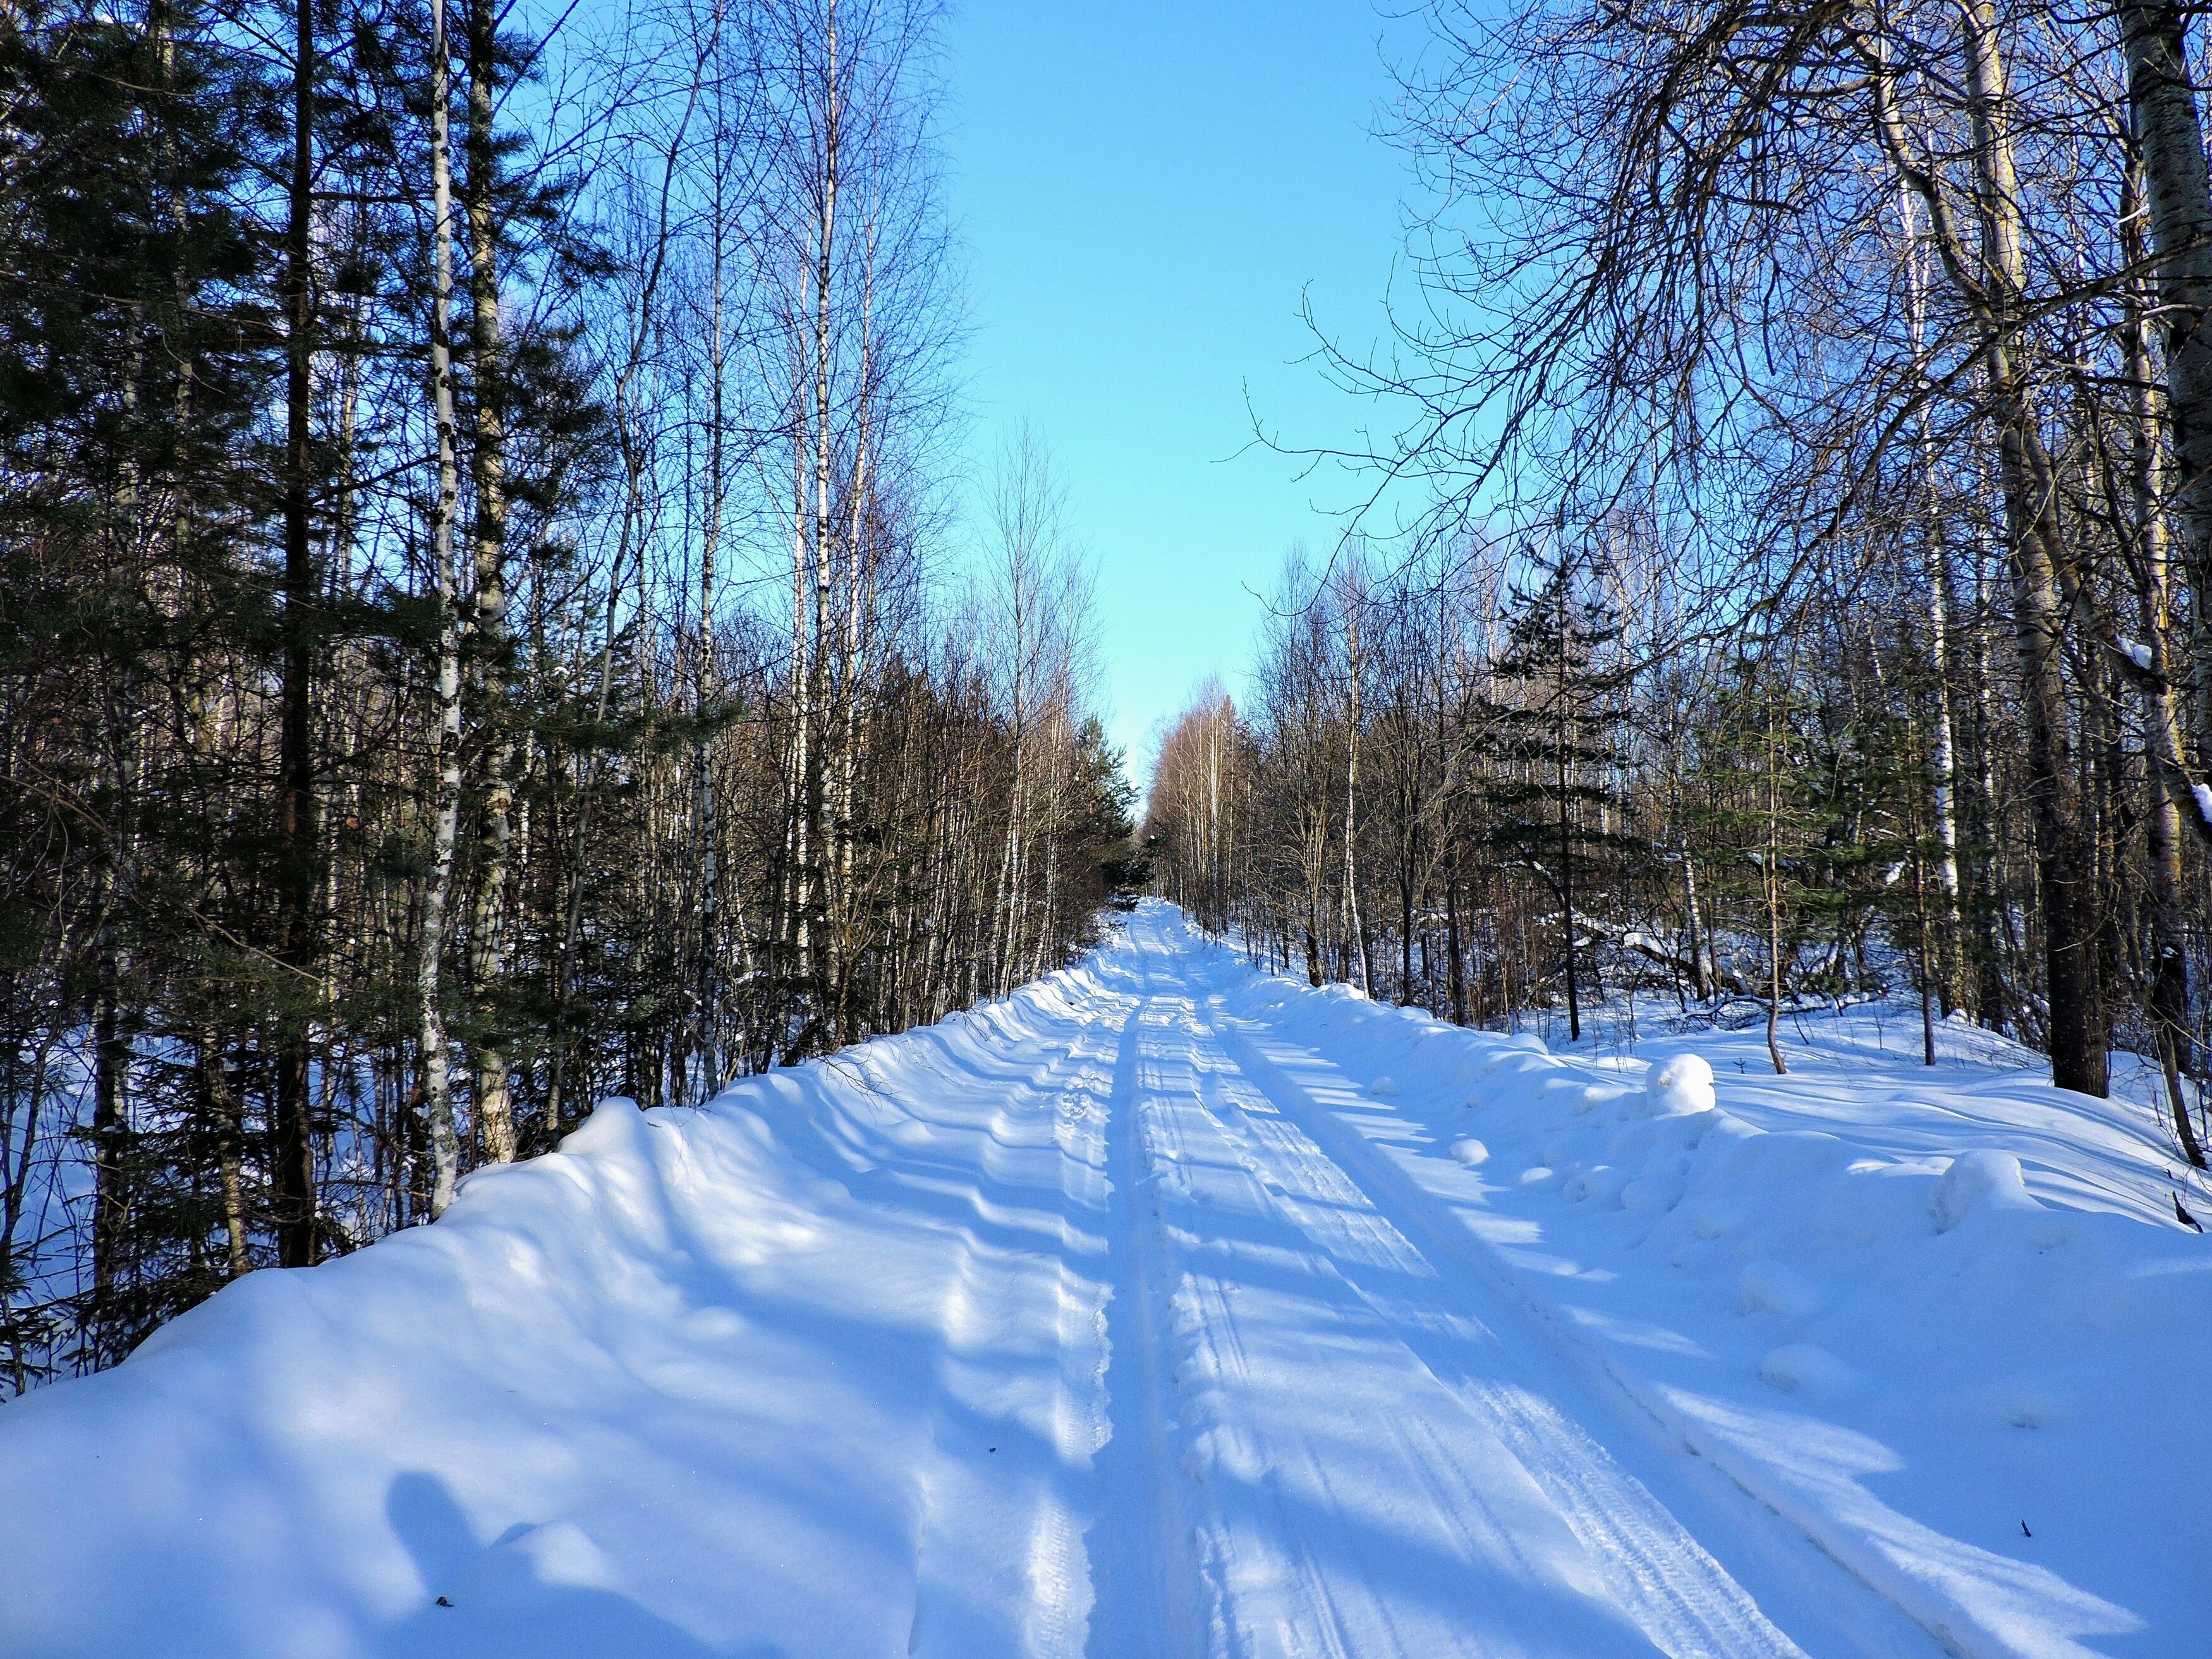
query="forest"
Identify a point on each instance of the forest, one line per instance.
(1806, 591)
(474, 629)
(480, 628)
(1000, 829)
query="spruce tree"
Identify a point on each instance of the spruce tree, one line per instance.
(1556, 802)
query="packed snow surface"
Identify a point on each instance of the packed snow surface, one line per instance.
(1168, 1309)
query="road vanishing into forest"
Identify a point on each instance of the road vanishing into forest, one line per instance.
(1134, 1315)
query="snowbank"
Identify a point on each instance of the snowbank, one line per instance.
(677, 1388)
(1941, 1319)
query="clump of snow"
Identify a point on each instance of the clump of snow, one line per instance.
(1603, 1183)
(611, 1131)
(1980, 1181)
(1223, 1449)
(1652, 1194)
(1682, 1085)
(1802, 1365)
(1384, 1088)
(1470, 1151)
(1510, 1052)
(1770, 1287)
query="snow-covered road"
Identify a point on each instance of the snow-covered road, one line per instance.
(1342, 1453)
(1144, 1313)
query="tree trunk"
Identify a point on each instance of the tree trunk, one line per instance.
(488, 922)
(1355, 916)
(437, 1089)
(1566, 837)
(2168, 1002)
(1455, 946)
(1942, 761)
(1993, 280)
(2170, 139)
(1772, 867)
(297, 830)
(221, 1103)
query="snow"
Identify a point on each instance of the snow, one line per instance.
(1977, 1181)
(1680, 1086)
(2137, 653)
(1165, 1308)
(1770, 1287)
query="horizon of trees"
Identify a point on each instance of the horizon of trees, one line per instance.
(1812, 409)
(473, 635)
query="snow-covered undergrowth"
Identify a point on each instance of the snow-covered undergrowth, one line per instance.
(1167, 1308)
(1943, 1319)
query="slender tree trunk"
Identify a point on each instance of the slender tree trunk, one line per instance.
(1355, 913)
(1927, 958)
(1942, 763)
(1990, 279)
(1701, 976)
(1994, 1008)
(436, 1084)
(297, 829)
(1315, 975)
(2065, 851)
(707, 828)
(1455, 945)
(221, 1103)
(1771, 866)
(818, 969)
(111, 1117)
(1566, 834)
(488, 923)
(2167, 1003)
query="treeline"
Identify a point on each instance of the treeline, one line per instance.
(467, 640)
(1809, 411)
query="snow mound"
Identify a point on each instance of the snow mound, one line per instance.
(1770, 1287)
(1801, 1366)
(1470, 1151)
(1682, 1085)
(1978, 1182)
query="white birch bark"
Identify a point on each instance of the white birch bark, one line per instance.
(436, 1082)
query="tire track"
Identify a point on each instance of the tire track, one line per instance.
(1007, 1438)
(1339, 1499)
(1673, 1587)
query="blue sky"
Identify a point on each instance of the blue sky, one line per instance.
(1146, 189)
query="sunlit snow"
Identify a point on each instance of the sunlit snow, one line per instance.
(1168, 1309)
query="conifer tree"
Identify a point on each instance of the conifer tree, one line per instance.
(1556, 735)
